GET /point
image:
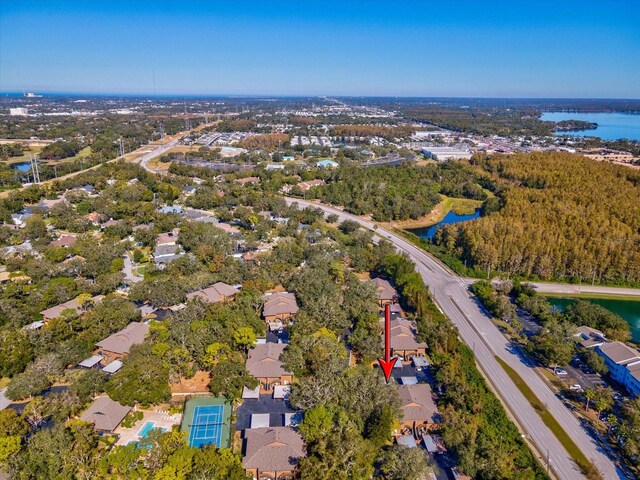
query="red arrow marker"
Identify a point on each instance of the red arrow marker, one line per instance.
(387, 364)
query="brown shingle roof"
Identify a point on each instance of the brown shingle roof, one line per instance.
(417, 403)
(120, 342)
(280, 303)
(55, 312)
(215, 293)
(272, 449)
(243, 181)
(169, 238)
(64, 241)
(304, 186)
(385, 290)
(105, 414)
(403, 335)
(263, 361)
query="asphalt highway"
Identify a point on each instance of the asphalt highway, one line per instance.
(477, 330)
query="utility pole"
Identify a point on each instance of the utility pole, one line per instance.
(161, 130)
(120, 147)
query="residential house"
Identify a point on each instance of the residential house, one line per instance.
(171, 209)
(65, 241)
(327, 164)
(218, 292)
(419, 411)
(49, 204)
(386, 293)
(247, 180)
(309, 184)
(117, 345)
(272, 452)
(623, 363)
(21, 217)
(78, 304)
(189, 190)
(166, 248)
(105, 414)
(278, 308)
(263, 362)
(231, 230)
(403, 339)
(94, 218)
(274, 166)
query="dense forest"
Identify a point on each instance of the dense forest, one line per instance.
(390, 193)
(564, 217)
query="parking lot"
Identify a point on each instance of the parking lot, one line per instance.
(265, 404)
(585, 380)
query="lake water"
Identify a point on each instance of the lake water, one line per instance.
(627, 309)
(451, 217)
(611, 126)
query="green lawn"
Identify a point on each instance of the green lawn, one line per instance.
(587, 295)
(581, 460)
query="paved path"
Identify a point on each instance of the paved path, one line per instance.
(477, 330)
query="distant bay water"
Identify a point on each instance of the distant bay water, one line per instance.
(611, 126)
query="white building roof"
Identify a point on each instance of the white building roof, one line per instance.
(248, 393)
(91, 361)
(113, 367)
(259, 420)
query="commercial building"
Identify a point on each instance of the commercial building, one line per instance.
(623, 363)
(20, 111)
(446, 153)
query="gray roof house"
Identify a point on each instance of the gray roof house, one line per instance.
(105, 414)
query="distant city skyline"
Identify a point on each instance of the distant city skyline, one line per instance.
(571, 49)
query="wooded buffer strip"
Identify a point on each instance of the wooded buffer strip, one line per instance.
(476, 426)
(564, 217)
(391, 193)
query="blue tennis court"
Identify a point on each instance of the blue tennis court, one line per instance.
(207, 425)
(207, 420)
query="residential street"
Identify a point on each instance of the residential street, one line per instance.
(477, 330)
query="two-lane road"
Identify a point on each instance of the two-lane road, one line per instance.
(477, 330)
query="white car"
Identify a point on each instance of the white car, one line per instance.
(576, 386)
(561, 372)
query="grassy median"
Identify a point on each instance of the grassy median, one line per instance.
(580, 458)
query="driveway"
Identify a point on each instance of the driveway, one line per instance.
(129, 274)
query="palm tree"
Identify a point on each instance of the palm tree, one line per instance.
(589, 394)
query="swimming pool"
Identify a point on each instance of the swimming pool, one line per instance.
(146, 429)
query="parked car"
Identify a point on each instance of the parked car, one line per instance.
(576, 387)
(561, 372)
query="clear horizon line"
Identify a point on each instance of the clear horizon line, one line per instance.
(280, 95)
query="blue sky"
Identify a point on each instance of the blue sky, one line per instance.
(407, 48)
